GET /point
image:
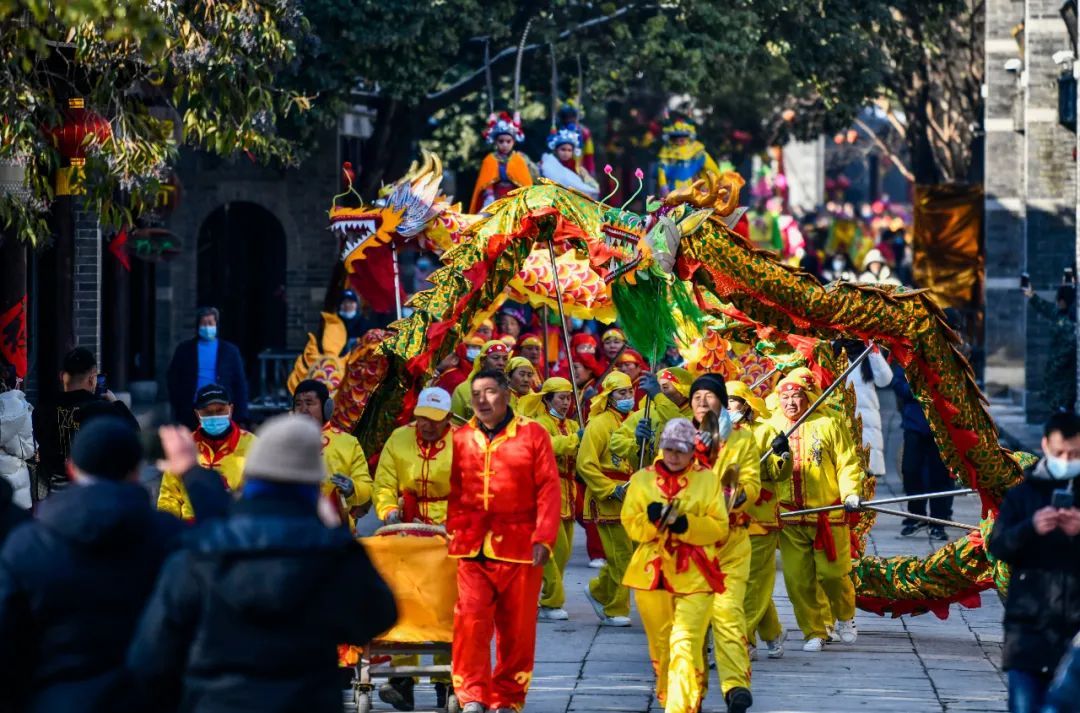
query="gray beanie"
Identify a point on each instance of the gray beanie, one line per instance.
(679, 435)
(288, 449)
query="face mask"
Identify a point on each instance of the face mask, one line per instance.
(347, 315)
(1062, 469)
(577, 323)
(472, 352)
(735, 416)
(624, 405)
(214, 425)
(724, 425)
(555, 414)
(837, 265)
(208, 333)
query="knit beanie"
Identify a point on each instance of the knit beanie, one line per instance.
(107, 448)
(288, 449)
(714, 383)
(678, 435)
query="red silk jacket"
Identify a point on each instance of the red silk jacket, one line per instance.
(504, 494)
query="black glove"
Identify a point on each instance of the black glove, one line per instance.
(654, 511)
(588, 394)
(643, 432)
(680, 525)
(780, 445)
(649, 384)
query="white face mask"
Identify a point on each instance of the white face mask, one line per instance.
(735, 416)
(1062, 468)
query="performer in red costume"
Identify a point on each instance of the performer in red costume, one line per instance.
(502, 519)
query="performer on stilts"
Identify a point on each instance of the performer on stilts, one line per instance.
(816, 549)
(561, 163)
(549, 407)
(675, 511)
(504, 169)
(682, 159)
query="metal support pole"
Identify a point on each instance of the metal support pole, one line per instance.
(397, 279)
(562, 328)
(884, 501)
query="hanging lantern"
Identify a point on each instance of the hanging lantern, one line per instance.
(81, 129)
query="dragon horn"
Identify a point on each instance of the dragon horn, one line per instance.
(611, 177)
(640, 176)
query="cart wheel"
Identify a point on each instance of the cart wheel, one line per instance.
(363, 702)
(452, 705)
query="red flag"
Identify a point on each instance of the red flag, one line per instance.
(118, 247)
(13, 337)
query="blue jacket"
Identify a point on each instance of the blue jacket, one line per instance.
(72, 586)
(184, 375)
(912, 417)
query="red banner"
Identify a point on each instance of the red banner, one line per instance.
(13, 337)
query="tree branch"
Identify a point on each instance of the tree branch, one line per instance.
(900, 166)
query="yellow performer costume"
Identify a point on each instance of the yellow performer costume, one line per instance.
(624, 442)
(413, 479)
(564, 441)
(225, 455)
(343, 455)
(605, 475)
(816, 549)
(676, 575)
(764, 528)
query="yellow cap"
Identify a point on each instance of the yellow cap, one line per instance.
(529, 404)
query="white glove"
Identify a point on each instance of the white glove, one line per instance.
(852, 502)
(393, 517)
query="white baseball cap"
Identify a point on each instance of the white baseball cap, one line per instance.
(434, 403)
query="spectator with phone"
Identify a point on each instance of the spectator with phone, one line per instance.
(81, 399)
(1059, 376)
(1036, 535)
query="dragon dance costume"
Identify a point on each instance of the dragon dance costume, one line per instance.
(504, 499)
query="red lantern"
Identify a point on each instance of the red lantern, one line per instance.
(81, 129)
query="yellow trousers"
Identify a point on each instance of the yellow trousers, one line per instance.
(807, 569)
(552, 594)
(414, 660)
(728, 617)
(761, 616)
(675, 625)
(607, 587)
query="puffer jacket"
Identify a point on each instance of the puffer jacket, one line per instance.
(16, 444)
(868, 406)
(1042, 611)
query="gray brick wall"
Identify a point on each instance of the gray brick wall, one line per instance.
(87, 294)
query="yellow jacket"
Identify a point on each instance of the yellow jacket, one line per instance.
(740, 451)
(409, 473)
(226, 457)
(825, 467)
(681, 564)
(624, 443)
(764, 510)
(343, 455)
(564, 441)
(600, 468)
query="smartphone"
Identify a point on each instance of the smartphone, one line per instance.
(1061, 499)
(101, 387)
(1069, 278)
(1025, 281)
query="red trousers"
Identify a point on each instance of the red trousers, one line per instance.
(497, 598)
(593, 546)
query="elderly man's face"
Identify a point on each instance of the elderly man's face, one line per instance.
(794, 403)
(702, 402)
(208, 320)
(489, 401)
(431, 431)
(521, 380)
(496, 360)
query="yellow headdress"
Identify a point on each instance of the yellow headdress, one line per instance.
(530, 404)
(739, 390)
(680, 378)
(801, 379)
(494, 346)
(612, 382)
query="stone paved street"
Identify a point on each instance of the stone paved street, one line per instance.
(911, 664)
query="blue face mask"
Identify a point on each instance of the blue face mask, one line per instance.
(214, 425)
(347, 315)
(555, 414)
(1062, 468)
(208, 332)
(724, 424)
(624, 405)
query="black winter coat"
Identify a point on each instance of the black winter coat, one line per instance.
(72, 586)
(249, 616)
(1042, 610)
(183, 375)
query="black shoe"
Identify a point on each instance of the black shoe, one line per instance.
(738, 700)
(398, 692)
(442, 691)
(910, 528)
(937, 532)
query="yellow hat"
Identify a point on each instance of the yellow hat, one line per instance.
(509, 340)
(801, 379)
(613, 333)
(739, 390)
(530, 340)
(519, 362)
(680, 378)
(612, 382)
(491, 347)
(433, 403)
(529, 404)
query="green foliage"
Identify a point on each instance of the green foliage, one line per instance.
(205, 70)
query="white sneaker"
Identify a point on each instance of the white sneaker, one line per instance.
(597, 563)
(831, 637)
(776, 646)
(596, 606)
(473, 707)
(846, 631)
(615, 621)
(814, 645)
(552, 614)
(752, 651)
